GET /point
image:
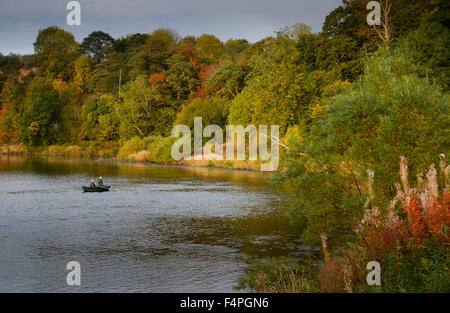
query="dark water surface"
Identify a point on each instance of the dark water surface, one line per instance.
(166, 229)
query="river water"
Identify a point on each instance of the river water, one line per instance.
(164, 229)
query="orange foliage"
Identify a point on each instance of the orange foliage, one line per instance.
(424, 214)
(59, 84)
(204, 75)
(427, 215)
(426, 222)
(3, 135)
(158, 80)
(204, 70)
(193, 57)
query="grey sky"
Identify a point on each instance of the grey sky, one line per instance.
(20, 20)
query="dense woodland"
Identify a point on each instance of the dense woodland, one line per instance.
(364, 111)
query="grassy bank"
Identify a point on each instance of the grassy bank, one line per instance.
(86, 149)
(152, 149)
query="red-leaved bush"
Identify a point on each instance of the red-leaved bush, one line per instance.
(414, 216)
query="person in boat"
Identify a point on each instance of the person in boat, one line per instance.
(92, 184)
(100, 181)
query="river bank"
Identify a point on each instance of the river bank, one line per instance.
(127, 152)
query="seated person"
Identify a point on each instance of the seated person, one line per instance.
(100, 180)
(93, 184)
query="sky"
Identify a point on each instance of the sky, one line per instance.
(21, 20)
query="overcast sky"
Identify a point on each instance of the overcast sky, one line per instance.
(20, 20)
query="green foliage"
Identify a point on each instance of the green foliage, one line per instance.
(278, 90)
(279, 275)
(56, 50)
(363, 128)
(131, 146)
(209, 47)
(99, 119)
(160, 41)
(140, 104)
(349, 20)
(421, 270)
(155, 149)
(159, 149)
(109, 75)
(213, 110)
(131, 43)
(181, 76)
(429, 47)
(234, 47)
(138, 64)
(97, 45)
(12, 99)
(39, 124)
(341, 56)
(294, 32)
(227, 81)
(82, 73)
(187, 42)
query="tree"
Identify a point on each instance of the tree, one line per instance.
(57, 51)
(39, 125)
(429, 47)
(390, 112)
(137, 64)
(82, 73)
(180, 76)
(187, 42)
(294, 32)
(227, 80)
(235, 47)
(139, 105)
(131, 43)
(109, 75)
(341, 56)
(209, 47)
(160, 41)
(213, 110)
(399, 17)
(277, 91)
(12, 99)
(100, 121)
(96, 46)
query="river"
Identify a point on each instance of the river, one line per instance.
(164, 229)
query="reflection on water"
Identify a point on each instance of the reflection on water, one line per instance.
(166, 229)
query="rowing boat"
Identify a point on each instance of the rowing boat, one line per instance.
(96, 189)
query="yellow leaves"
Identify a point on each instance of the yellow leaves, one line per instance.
(317, 110)
(34, 127)
(59, 84)
(335, 88)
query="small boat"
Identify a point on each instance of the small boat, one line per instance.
(96, 189)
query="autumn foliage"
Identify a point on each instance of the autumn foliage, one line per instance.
(422, 213)
(415, 217)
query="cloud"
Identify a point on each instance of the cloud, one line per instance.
(20, 20)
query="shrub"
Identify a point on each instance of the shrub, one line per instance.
(409, 238)
(133, 145)
(159, 149)
(278, 275)
(392, 111)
